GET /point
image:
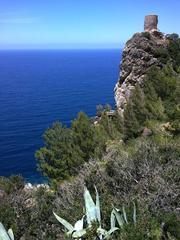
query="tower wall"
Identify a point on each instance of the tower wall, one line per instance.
(151, 22)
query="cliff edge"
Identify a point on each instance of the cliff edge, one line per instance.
(140, 53)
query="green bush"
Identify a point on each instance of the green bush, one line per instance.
(172, 222)
(84, 135)
(146, 35)
(60, 157)
(8, 215)
(174, 50)
(147, 228)
(66, 149)
(11, 184)
(162, 54)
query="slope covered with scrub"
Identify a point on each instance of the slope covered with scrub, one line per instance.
(130, 157)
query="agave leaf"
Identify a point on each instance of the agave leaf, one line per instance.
(118, 217)
(117, 209)
(111, 231)
(65, 223)
(79, 224)
(11, 234)
(124, 214)
(98, 210)
(134, 213)
(90, 207)
(113, 220)
(79, 234)
(101, 231)
(3, 234)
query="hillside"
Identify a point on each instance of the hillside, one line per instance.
(131, 156)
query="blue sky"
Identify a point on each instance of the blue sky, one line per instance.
(80, 23)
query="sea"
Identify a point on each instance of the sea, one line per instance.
(39, 87)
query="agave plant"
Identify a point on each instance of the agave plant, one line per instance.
(121, 216)
(6, 235)
(92, 214)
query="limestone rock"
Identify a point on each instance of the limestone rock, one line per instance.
(147, 132)
(138, 56)
(30, 202)
(2, 194)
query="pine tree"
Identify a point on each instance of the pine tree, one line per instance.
(84, 135)
(131, 124)
(60, 157)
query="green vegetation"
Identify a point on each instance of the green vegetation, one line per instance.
(174, 50)
(66, 149)
(134, 159)
(84, 227)
(60, 157)
(146, 35)
(12, 184)
(144, 170)
(158, 98)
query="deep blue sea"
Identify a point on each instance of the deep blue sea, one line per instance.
(38, 87)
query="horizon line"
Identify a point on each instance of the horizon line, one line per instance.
(48, 49)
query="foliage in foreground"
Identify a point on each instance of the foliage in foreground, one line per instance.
(91, 222)
(6, 235)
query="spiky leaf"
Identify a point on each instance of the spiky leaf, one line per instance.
(79, 234)
(11, 234)
(111, 231)
(98, 210)
(118, 217)
(134, 213)
(65, 223)
(113, 220)
(101, 231)
(124, 214)
(3, 234)
(90, 207)
(79, 224)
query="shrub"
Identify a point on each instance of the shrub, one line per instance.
(66, 149)
(162, 54)
(84, 135)
(61, 156)
(173, 36)
(146, 35)
(11, 184)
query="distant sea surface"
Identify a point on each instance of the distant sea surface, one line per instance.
(40, 87)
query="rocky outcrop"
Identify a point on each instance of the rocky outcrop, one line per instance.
(139, 54)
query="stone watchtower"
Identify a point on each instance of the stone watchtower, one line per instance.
(150, 23)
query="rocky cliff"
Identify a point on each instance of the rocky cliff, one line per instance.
(140, 53)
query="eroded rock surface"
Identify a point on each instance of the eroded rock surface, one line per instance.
(139, 54)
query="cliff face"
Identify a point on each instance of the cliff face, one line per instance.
(139, 54)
